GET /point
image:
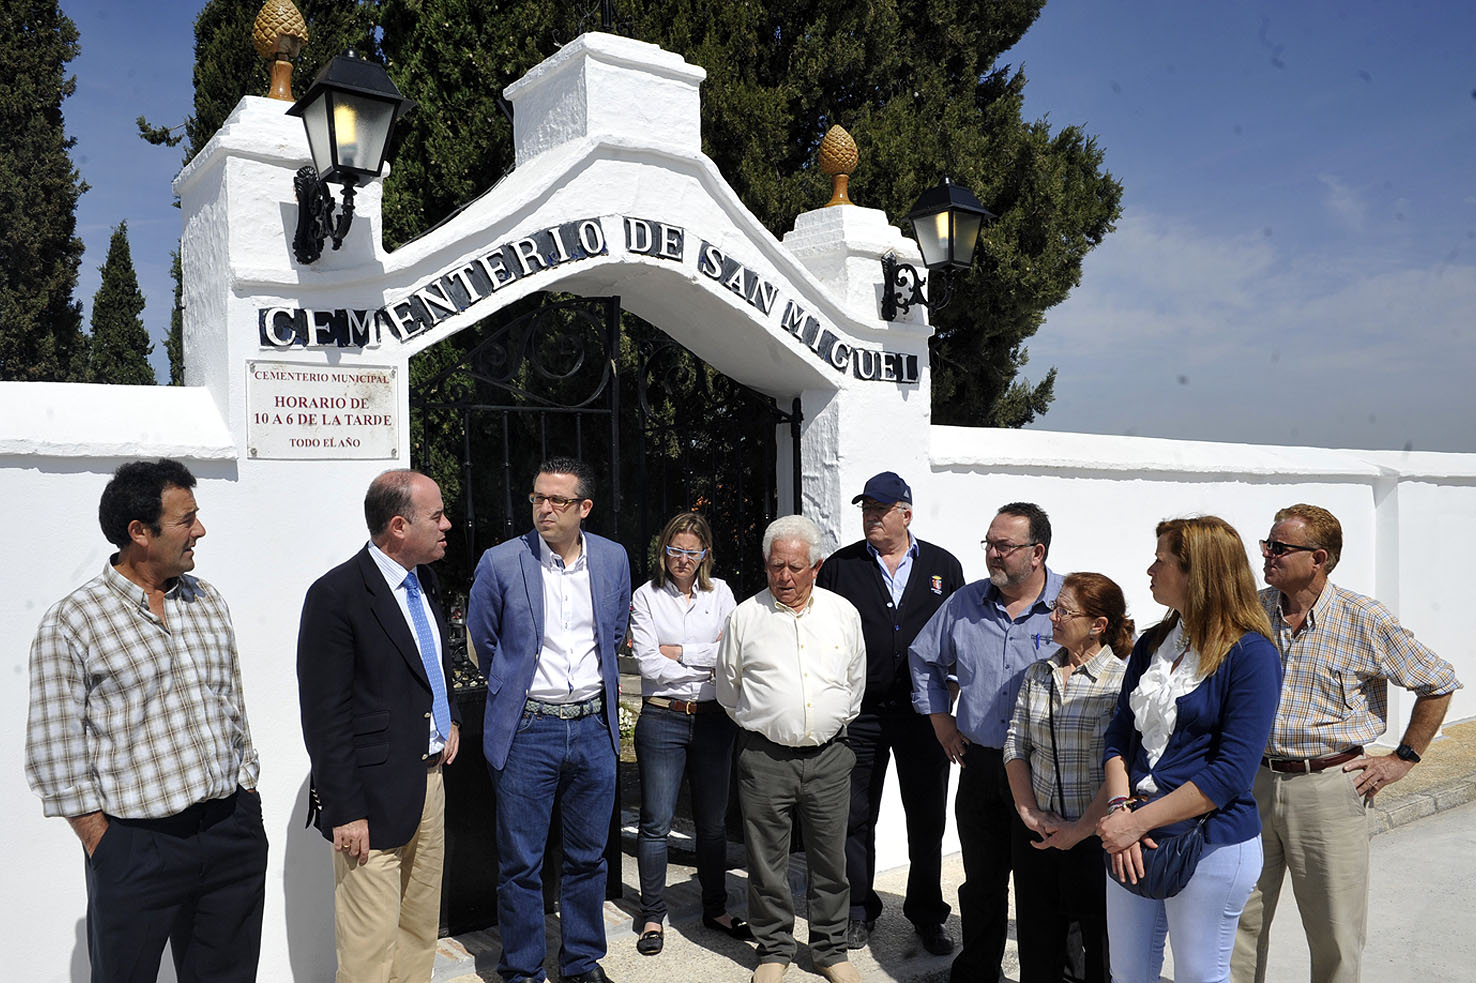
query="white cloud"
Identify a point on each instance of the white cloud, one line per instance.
(1343, 203)
(1181, 333)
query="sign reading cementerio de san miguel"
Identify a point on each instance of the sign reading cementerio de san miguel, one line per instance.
(307, 411)
(453, 291)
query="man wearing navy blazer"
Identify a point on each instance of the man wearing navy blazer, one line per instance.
(546, 613)
(374, 684)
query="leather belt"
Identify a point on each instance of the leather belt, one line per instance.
(689, 707)
(434, 759)
(1309, 765)
(566, 711)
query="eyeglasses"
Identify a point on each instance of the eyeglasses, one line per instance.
(676, 551)
(1066, 614)
(1270, 547)
(559, 502)
(878, 508)
(1002, 549)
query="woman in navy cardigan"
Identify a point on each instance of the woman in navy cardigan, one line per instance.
(1191, 725)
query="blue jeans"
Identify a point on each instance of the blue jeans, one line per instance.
(668, 743)
(1200, 920)
(573, 762)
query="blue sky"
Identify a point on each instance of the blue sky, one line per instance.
(1296, 261)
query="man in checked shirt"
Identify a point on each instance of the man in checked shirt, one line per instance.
(137, 735)
(1339, 650)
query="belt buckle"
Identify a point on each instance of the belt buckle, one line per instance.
(689, 707)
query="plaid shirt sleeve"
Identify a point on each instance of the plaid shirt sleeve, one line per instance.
(57, 763)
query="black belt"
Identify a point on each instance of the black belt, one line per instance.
(1309, 765)
(188, 822)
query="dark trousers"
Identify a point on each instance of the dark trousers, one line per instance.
(922, 774)
(776, 785)
(196, 880)
(986, 817)
(668, 744)
(1054, 888)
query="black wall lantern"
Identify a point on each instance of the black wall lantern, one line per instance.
(349, 113)
(946, 221)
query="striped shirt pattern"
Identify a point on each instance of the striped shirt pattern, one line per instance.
(1082, 713)
(129, 715)
(1337, 670)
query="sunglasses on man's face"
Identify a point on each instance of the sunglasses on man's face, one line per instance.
(1271, 547)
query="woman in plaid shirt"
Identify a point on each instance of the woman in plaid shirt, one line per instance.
(1053, 757)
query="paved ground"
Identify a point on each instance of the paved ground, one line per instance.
(1420, 921)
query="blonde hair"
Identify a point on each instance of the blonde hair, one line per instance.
(689, 522)
(1323, 528)
(1220, 602)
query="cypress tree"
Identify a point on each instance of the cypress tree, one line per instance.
(119, 349)
(40, 323)
(174, 341)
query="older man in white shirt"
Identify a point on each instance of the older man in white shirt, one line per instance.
(791, 672)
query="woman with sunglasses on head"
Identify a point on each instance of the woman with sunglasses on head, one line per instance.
(1053, 759)
(676, 619)
(1182, 752)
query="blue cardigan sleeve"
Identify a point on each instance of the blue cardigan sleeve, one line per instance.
(1119, 736)
(1252, 692)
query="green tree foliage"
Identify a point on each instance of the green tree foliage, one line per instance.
(118, 351)
(174, 341)
(40, 324)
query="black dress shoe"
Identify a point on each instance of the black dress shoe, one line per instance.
(935, 939)
(650, 943)
(737, 927)
(596, 975)
(858, 933)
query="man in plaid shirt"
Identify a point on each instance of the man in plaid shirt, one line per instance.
(1339, 652)
(137, 735)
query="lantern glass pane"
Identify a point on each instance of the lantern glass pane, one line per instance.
(315, 121)
(932, 238)
(361, 126)
(965, 237)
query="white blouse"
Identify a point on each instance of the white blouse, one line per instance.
(1155, 701)
(663, 616)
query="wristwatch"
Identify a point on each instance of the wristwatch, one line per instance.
(1406, 753)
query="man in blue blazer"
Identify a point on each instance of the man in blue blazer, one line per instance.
(546, 613)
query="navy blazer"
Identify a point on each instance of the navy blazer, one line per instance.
(1218, 739)
(504, 622)
(366, 701)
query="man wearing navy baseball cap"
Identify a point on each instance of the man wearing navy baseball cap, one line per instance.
(896, 582)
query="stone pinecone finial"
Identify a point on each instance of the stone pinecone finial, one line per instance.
(838, 158)
(278, 24)
(278, 35)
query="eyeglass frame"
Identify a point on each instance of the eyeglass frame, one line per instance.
(676, 551)
(1273, 547)
(1004, 551)
(559, 502)
(1066, 613)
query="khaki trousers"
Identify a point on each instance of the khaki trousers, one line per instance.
(1314, 826)
(387, 910)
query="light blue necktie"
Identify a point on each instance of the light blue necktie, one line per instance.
(439, 705)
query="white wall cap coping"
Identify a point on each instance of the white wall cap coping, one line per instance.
(987, 449)
(70, 419)
(603, 83)
(259, 129)
(842, 245)
(1423, 464)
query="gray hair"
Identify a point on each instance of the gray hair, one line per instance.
(798, 527)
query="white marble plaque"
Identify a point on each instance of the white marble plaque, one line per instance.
(296, 411)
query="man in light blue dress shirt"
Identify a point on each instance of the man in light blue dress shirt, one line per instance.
(981, 640)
